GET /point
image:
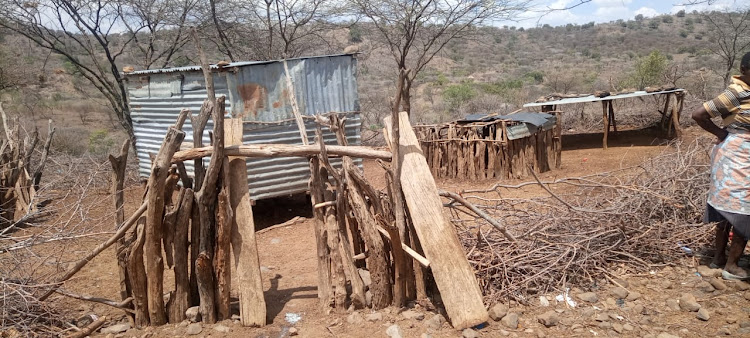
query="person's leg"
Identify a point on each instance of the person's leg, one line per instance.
(736, 249)
(720, 244)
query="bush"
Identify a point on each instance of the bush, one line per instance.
(355, 34)
(653, 24)
(683, 34)
(649, 71)
(99, 142)
(458, 94)
(69, 141)
(639, 17)
(667, 19)
(681, 13)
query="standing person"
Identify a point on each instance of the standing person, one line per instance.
(729, 195)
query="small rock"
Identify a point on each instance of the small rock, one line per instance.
(745, 324)
(498, 311)
(673, 304)
(543, 301)
(724, 331)
(633, 296)
(548, 318)
(193, 314)
(374, 317)
(368, 298)
(601, 317)
(703, 314)
(394, 331)
(235, 317)
(628, 327)
(705, 287)
(708, 272)
(193, 329)
(412, 314)
(275, 240)
(746, 295)
(354, 318)
(688, 303)
(666, 335)
(366, 279)
(638, 308)
(717, 284)
(505, 332)
(587, 312)
(510, 320)
(743, 331)
(619, 292)
(618, 327)
(293, 331)
(425, 335)
(117, 328)
(435, 322)
(469, 333)
(221, 328)
(590, 297)
(731, 320)
(605, 325)
(741, 286)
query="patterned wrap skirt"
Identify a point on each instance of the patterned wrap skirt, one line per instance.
(729, 193)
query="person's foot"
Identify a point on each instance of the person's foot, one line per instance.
(718, 262)
(732, 271)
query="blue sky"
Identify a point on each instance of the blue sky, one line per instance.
(610, 10)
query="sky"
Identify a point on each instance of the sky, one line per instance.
(610, 10)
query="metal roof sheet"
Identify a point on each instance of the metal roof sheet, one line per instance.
(592, 98)
(214, 66)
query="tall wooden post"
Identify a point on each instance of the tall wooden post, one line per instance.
(605, 118)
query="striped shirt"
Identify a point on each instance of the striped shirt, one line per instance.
(733, 105)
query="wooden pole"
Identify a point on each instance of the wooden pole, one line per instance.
(612, 116)
(247, 264)
(119, 163)
(605, 119)
(224, 218)
(676, 112)
(181, 295)
(453, 274)
(284, 150)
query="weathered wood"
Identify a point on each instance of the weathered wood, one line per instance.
(605, 119)
(90, 329)
(137, 275)
(154, 225)
(37, 175)
(325, 293)
(180, 300)
(204, 274)
(358, 298)
(119, 164)
(282, 150)
(247, 264)
(338, 277)
(221, 256)
(612, 116)
(170, 216)
(453, 274)
(676, 112)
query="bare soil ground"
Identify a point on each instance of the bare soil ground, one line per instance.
(287, 257)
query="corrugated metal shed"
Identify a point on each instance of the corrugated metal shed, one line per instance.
(592, 98)
(257, 92)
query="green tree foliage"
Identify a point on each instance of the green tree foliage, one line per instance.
(681, 13)
(649, 71)
(355, 34)
(458, 94)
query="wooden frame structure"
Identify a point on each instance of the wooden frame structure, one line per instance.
(483, 150)
(670, 114)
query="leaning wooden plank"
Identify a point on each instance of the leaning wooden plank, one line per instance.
(249, 284)
(281, 150)
(453, 274)
(181, 295)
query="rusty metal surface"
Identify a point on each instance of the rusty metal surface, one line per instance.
(257, 92)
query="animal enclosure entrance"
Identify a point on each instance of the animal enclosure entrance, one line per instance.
(487, 147)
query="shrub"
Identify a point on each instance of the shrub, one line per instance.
(648, 71)
(355, 34)
(681, 13)
(667, 19)
(683, 34)
(653, 24)
(639, 17)
(69, 141)
(99, 142)
(458, 94)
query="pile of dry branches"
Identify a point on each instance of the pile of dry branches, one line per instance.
(576, 228)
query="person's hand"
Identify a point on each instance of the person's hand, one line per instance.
(721, 137)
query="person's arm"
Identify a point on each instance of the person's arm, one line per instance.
(703, 119)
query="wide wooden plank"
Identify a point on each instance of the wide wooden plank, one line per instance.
(247, 264)
(453, 274)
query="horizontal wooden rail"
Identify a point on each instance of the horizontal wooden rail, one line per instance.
(283, 150)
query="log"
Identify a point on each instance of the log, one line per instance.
(453, 274)
(180, 300)
(244, 248)
(90, 329)
(338, 277)
(321, 236)
(605, 118)
(119, 164)
(283, 150)
(137, 275)
(221, 255)
(358, 298)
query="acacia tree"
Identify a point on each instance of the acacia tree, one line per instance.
(415, 31)
(730, 34)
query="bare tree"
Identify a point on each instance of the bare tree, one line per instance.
(81, 31)
(414, 31)
(270, 29)
(730, 34)
(157, 28)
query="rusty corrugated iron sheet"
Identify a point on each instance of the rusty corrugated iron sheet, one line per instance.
(257, 92)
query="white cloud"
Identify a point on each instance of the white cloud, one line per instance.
(647, 12)
(612, 3)
(717, 5)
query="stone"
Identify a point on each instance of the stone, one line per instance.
(394, 331)
(117, 328)
(601, 317)
(741, 286)
(548, 318)
(688, 303)
(543, 301)
(706, 271)
(510, 320)
(628, 327)
(235, 317)
(743, 331)
(275, 240)
(374, 317)
(731, 320)
(587, 312)
(746, 294)
(435, 322)
(666, 335)
(673, 304)
(368, 298)
(354, 318)
(221, 328)
(605, 325)
(745, 324)
(638, 309)
(705, 287)
(193, 314)
(718, 284)
(703, 314)
(590, 297)
(633, 296)
(412, 314)
(366, 279)
(725, 331)
(619, 328)
(293, 331)
(193, 329)
(498, 311)
(425, 335)
(469, 333)
(505, 332)
(619, 292)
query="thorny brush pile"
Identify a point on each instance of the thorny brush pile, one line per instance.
(640, 217)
